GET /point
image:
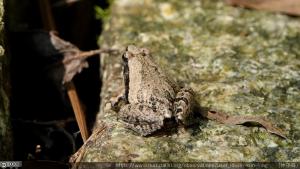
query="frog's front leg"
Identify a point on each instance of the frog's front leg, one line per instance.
(140, 118)
(118, 102)
(183, 105)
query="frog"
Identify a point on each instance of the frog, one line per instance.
(151, 99)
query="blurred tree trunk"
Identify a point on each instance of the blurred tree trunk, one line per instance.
(5, 128)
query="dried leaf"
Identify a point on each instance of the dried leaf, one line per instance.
(291, 7)
(226, 119)
(74, 60)
(71, 66)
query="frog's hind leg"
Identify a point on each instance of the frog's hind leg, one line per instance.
(140, 118)
(183, 105)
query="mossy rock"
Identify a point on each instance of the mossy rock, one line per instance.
(239, 61)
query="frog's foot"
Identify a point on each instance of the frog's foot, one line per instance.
(141, 118)
(146, 129)
(183, 105)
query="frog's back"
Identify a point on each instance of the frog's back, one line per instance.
(148, 81)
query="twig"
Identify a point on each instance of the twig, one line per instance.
(46, 14)
(87, 54)
(77, 157)
(94, 52)
(79, 113)
(49, 24)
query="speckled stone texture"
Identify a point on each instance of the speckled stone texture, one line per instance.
(238, 61)
(5, 129)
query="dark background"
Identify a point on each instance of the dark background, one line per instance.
(39, 104)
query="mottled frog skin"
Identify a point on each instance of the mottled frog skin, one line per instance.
(151, 97)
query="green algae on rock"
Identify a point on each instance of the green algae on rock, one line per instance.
(238, 61)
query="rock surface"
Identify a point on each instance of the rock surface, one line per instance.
(238, 61)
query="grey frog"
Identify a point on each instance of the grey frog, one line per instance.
(151, 97)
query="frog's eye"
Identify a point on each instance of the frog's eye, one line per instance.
(127, 55)
(145, 51)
